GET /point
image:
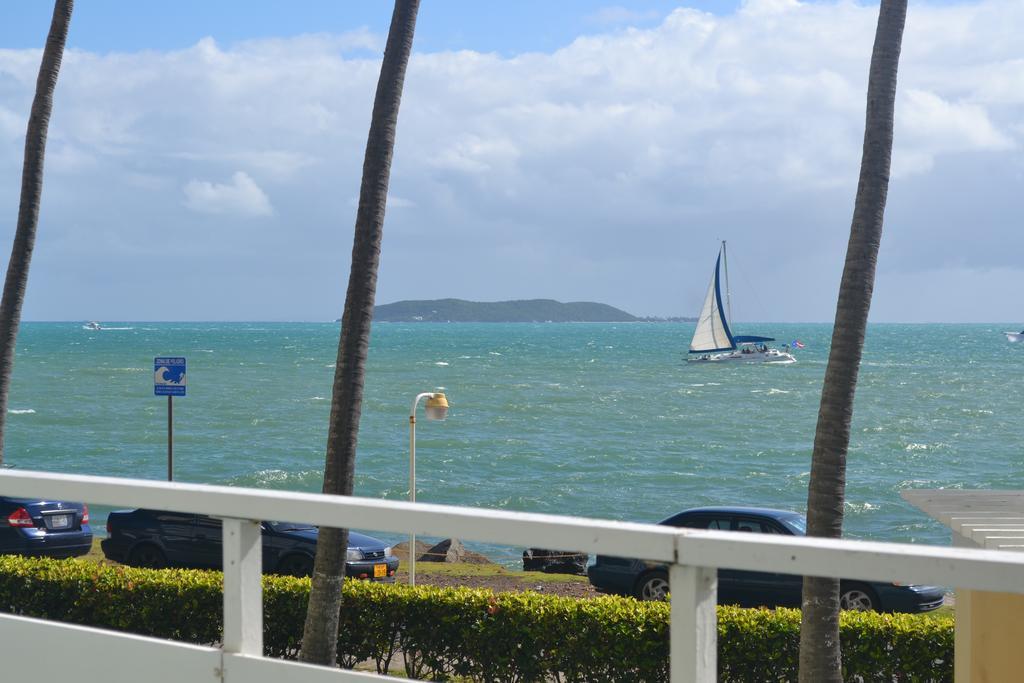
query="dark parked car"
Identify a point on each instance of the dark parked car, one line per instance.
(52, 528)
(649, 580)
(152, 538)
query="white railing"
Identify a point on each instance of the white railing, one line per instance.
(41, 649)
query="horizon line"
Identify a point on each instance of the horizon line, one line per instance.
(460, 322)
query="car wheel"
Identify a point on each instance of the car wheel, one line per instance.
(147, 555)
(295, 565)
(652, 586)
(858, 597)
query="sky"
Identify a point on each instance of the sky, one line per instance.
(204, 159)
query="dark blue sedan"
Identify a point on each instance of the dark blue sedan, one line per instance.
(649, 581)
(153, 538)
(51, 528)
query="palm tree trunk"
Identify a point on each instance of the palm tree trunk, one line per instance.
(31, 195)
(320, 635)
(820, 657)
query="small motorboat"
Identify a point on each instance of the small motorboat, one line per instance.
(93, 325)
(1014, 336)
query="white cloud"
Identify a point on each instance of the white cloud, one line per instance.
(11, 126)
(767, 7)
(474, 154)
(312, 45)
(241, 196)
(68, 158)
(950, 126)
(280, 164)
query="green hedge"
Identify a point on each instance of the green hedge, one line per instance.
(446, 632)
(764, 645)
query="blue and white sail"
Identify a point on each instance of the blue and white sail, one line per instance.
(712, 333)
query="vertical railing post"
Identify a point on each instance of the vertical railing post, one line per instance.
(963, 627)
(693, 640)
(243, 588)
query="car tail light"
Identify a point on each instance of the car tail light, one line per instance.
(85, 514)
(20, 517)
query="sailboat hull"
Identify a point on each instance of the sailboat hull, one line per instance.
(739, 356)
(1014, 336)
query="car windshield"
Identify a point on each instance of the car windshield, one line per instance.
(797, 524)
(290, 526)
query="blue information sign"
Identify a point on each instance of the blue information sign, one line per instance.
(168, 376)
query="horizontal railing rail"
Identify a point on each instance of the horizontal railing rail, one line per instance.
(694, 556)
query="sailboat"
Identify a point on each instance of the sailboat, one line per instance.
(1014, 336)
(713, 340)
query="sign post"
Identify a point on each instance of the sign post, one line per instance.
(169, 381)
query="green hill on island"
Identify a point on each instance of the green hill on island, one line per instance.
(522, 311)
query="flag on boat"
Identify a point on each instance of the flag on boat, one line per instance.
(797, 343)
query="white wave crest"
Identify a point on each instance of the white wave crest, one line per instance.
(21, 411)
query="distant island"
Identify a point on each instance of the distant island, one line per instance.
(520, 311)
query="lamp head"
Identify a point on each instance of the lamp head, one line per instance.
(436, 407)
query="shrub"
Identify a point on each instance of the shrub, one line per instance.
(476, 634)
(764, 645)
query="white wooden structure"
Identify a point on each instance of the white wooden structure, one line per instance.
(989, 625)
(87, 655)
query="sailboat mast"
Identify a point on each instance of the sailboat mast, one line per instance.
(728, 291)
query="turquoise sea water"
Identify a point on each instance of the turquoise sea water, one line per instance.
(597, 420)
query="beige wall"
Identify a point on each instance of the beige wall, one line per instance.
(989, 637)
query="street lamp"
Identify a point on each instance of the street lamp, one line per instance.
(436, 408)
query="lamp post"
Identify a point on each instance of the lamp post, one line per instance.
(436, 408)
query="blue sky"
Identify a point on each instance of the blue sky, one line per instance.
(504, 27)
(204, 157)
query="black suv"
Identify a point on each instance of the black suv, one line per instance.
(153, 538)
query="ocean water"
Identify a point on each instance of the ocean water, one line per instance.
(596, 420)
